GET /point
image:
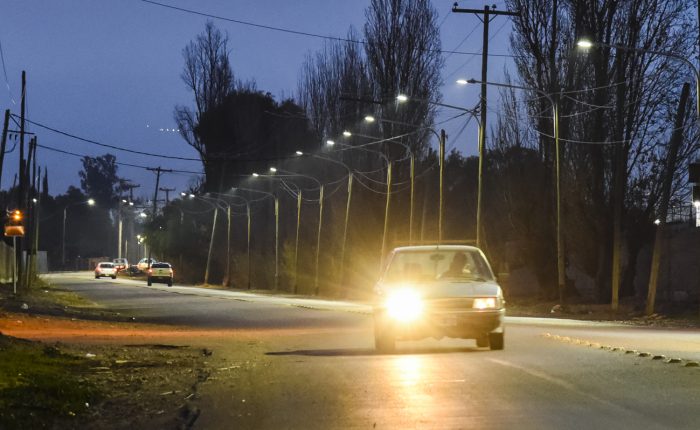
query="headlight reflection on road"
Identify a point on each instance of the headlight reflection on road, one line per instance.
(409, 369)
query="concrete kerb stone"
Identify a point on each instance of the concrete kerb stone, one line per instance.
(644, 354)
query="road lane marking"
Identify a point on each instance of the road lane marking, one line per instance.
(561, 383)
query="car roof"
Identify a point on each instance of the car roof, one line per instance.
(436, 247)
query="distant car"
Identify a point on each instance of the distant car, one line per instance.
(437, 291)
(160, 272)
(121, 264)
(143, 264)
(105, 269)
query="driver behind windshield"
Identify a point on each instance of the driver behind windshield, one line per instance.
(456, 269)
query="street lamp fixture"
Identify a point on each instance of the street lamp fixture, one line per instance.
(330, 142)
(561, 270)
(273, 169)
(584, 43)
(347, 133)
(401, 98)
(255, 175)
(299, 153)
(463, 81)
(143, 215)
(91, 202)
(369, 118)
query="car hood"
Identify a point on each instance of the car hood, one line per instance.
(449, 288)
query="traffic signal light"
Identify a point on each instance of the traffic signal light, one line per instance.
(14, 225)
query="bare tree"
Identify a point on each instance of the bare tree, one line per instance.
(615, 111)
(207, 73)
(403, 55)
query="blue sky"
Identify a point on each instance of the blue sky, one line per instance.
(109, 70)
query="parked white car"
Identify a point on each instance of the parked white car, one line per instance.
(144, 263)
(437, 291)
(106, 268)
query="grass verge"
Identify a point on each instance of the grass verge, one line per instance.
(41, 386)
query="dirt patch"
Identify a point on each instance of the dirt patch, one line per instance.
(88, 367)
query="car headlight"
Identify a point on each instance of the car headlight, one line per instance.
(486, 303)
(404, 305)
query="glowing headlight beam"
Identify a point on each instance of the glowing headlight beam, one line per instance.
(485, 303)
(404, 305)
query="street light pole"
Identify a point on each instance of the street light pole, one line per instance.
(211, 245)
(347, 211)
(252, 190)
(320, 219)
(401, 98)
(89, 202)
(561, 269)
(388, 193)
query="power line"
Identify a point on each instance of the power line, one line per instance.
(105, 145)
(4, 70)
(62, 151)
(296, 32)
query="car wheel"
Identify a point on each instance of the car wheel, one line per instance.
(149, 282)
(384, 339)
(170, 283)
(496, 341)
(97, 276)
(482, 341)
(114, 276)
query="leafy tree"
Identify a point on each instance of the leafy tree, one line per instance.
(99, 179)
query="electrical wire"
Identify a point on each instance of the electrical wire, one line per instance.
(120, 163)
(7, 81)
(469, 60)
(295, 32)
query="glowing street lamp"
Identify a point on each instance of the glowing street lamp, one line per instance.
(561, 270)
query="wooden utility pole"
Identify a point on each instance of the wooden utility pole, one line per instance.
(21, 185)
(158, 171)
(674, 144)
(3, 140)
(487, 13)
(167, 194)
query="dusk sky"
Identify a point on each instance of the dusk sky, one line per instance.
(109, 71)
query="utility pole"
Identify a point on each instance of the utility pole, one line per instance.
(20, 188)
(487, 13)
(130, 233)
(3, 140)
(167, 194)
(158, 171)
(674, 144)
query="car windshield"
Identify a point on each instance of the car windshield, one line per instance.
(106, 265)
(160, 266)
(430, 265)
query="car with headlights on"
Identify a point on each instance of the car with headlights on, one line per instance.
(438, 291)
(105, 268)
(160, 272)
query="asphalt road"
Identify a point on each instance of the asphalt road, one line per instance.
(302, 363)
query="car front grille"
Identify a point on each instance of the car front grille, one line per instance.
(450, 304)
